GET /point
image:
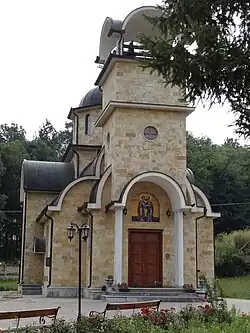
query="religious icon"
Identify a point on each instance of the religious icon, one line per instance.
(145, 208)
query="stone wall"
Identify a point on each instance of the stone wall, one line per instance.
(65, 253)
(103, 240)
(95, 135)
(132, 154)
(85, 157)
(189, 249)
(206, 247)
(33, 262)
(128, 82)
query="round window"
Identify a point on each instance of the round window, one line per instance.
(150, 133)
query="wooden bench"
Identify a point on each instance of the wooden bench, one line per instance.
(39, 313)
(127, 306)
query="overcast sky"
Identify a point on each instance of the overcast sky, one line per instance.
(47, 54)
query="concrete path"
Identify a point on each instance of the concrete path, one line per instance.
(68, 311)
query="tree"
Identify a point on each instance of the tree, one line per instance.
(55, 142)
(222, 172)
(12, 132)
(204, 48)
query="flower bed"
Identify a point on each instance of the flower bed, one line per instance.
(211, 317)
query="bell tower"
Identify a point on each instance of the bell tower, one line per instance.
(143, 122)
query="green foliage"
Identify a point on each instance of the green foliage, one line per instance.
(223, 173)
(204, 49)
(232, 255)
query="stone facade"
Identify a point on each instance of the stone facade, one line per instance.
(104, 196)
(128, 82)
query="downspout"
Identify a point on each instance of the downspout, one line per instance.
(84, 208)
(21, 276)
(51, 245)
(196, 243)
(77, 133)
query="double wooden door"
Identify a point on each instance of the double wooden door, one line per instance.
(145, 257)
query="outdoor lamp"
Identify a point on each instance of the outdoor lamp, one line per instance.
(85, 230)
(71, 230)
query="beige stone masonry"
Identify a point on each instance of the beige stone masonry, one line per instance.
(128, 82)
(33, 262)
(65, 253)
(131, 154)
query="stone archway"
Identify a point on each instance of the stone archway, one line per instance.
(178, 203)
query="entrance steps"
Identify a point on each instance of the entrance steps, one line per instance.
(31, 289)
(148, 294)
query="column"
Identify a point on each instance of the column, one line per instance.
(118, 245)
(178, 249)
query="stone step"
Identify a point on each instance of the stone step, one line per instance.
(182, 298)
(31, 289)
(157, 290)
(151, 293)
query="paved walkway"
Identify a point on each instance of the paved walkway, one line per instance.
(68, 311)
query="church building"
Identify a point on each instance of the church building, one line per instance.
(125, 178)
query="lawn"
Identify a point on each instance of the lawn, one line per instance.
(8, 285)
(237, 287)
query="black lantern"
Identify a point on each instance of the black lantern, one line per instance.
(125, 211)
(71, 230)
(85, 232)
(168, 213)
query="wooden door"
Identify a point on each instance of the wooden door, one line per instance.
(145, 257)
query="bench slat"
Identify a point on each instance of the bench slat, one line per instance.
(131, 306)
(28, 313)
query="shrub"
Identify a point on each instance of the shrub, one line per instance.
(230, 253)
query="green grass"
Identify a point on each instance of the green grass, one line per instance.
(8, 285)
(237, 287)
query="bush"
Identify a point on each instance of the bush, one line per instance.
(231, 251)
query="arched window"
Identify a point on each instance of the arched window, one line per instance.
(87, 124)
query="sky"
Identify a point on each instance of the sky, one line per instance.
(47, 54)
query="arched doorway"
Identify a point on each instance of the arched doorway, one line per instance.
(145, 246)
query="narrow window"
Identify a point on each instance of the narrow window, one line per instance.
(87, 124)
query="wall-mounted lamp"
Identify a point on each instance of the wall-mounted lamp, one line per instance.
(125, 211)
(168, 213)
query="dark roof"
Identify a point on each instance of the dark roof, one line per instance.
(47, 176)
(92, 98)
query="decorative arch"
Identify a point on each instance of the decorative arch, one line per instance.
(190, 192)
(167, 183)
(206, 203)
(64, 192)
(99, 190)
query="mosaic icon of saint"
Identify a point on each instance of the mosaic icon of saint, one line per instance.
(145, 209)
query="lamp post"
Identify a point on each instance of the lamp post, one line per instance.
(83, 233)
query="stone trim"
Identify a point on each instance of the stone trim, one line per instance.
(112, 105)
